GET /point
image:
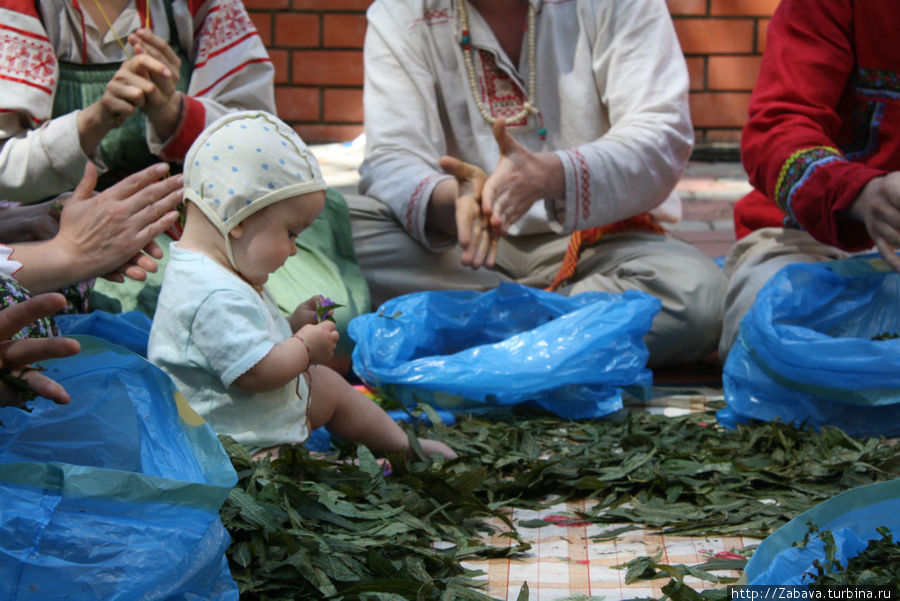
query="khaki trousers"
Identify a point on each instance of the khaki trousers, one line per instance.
(688, 283)
(756, 258)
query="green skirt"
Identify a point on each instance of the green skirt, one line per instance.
(324, 264)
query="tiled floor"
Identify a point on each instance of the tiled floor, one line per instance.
(708, 192)
(569, 559)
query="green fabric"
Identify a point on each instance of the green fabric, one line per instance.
(124, 149)
(324, 264)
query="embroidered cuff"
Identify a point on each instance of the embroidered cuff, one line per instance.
(416, 211)
(190, 125)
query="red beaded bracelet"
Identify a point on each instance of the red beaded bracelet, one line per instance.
(308, 352)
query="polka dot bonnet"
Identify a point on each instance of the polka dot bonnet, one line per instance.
(244, 162)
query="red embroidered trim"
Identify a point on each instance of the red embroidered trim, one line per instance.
(223, 49)
(433, 17)
(502, 96)
(29, 34)
(415, 202)
(27, 58)
(27, 83)
(222, 27)
(229, 73)
(585, 182)
(575, 173)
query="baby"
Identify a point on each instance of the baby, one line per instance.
(251, 186)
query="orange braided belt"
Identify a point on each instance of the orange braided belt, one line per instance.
(589, 236)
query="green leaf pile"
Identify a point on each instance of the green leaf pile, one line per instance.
(307, 527)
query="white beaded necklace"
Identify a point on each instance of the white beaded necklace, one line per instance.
(528, 106)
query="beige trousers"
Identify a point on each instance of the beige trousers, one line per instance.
(688, 283)
(756, 258)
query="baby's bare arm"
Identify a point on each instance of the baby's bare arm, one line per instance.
(313, 343)
(286, 361)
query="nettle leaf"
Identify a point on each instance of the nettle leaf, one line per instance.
(305, 526)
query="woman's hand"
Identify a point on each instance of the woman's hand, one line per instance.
(163, 104)
(16, 356)
(108, 233)
(29, 222)
(878, 207)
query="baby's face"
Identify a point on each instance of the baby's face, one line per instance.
(264, 241)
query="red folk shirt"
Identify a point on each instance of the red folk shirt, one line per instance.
(824, 117)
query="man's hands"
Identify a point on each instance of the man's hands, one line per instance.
(486, 206)
(878, 207)
(473, 230)
(521, 178)
(17, 355)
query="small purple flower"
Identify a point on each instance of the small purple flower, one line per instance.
(325, 309)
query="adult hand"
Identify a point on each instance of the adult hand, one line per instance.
(477, 239)
(29, 222)
(878, 207)
(320, 339)
(163, 104)
(521, 178)
(16, 356)
(108, 231)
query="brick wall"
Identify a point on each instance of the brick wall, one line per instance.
(316, 46)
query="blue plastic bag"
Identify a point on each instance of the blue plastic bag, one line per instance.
(114, 496)
(852, 517)
(131, 329)
(467, 350)
(805, 353)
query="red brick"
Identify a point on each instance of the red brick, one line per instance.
(343, 30)
(733, 72)
(697, 71)
(715, 36)
(719, 109)
(297, 30)
(725, 136)
(328, 67)
(762, 28)
(266, 4)
(316, 133)
(281, 62)
(263, 23)
(297, 104)
(743, 8)
(329, 5)
(343, 105)
(687, 7)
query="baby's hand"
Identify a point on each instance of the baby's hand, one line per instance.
(304, 314)
(320, 339)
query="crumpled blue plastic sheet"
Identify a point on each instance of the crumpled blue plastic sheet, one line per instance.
(130, 329)
(114, 496)
(805, 353)
(852, 517)
(469, 351)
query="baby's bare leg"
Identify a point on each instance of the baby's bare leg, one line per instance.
(353, 416)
